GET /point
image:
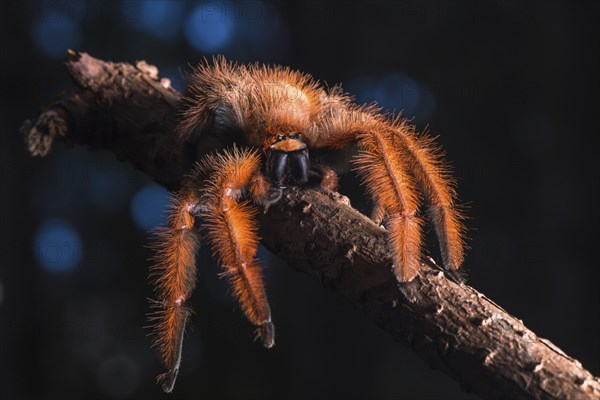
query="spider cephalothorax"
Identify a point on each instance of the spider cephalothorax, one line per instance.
(261, 123)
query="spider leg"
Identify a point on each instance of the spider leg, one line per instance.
(387, 177)
(232, 231)
(431, 173)
(378, 214)
(212, 191)
(384, 170)
(262, 191)
(391, 162)
(329, 179)
(174, 273)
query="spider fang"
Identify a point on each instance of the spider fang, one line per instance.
(287, 167)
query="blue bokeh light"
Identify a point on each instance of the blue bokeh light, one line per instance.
(394, 92)
(54, 34)
(148, 206)
(161, 18)
(57, 246)
(209, 27)
(260, 33)
(398, 93)
(108, 186)
(242, 30)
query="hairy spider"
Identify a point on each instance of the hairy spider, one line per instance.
(263, 121)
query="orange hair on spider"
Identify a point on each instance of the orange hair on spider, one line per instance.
(255, 99)
(342, 121)
(284, 100)
(210, 85)
(432, 173)
(232, 232)
(174, 277)
(387, 177)
(259, 187)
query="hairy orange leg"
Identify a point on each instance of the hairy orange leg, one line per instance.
(392, 161)
(378, 214)
(262, 191)
(232, 231)
(431, 173)
(174, 273)
(329, 179)
(213, 191)
(387, 176)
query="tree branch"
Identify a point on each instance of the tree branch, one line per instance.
(130, 111)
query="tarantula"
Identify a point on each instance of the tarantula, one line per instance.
(263, 122)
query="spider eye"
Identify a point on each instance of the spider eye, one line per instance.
(280, 137)
(295, 135)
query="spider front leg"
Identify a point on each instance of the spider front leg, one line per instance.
(174, 273)
(211, 191)
(232, 230)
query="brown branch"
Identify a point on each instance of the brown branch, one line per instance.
(130, 111)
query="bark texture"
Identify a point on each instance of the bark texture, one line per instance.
(130, 111)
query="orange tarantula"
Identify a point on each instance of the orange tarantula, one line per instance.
(263, 122)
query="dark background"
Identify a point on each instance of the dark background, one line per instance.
(510, 87)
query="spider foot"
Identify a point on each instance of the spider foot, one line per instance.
(167, 380)
(265, 193)
(410, 291)
(272, 196)
(266, 332)
(455, 275)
